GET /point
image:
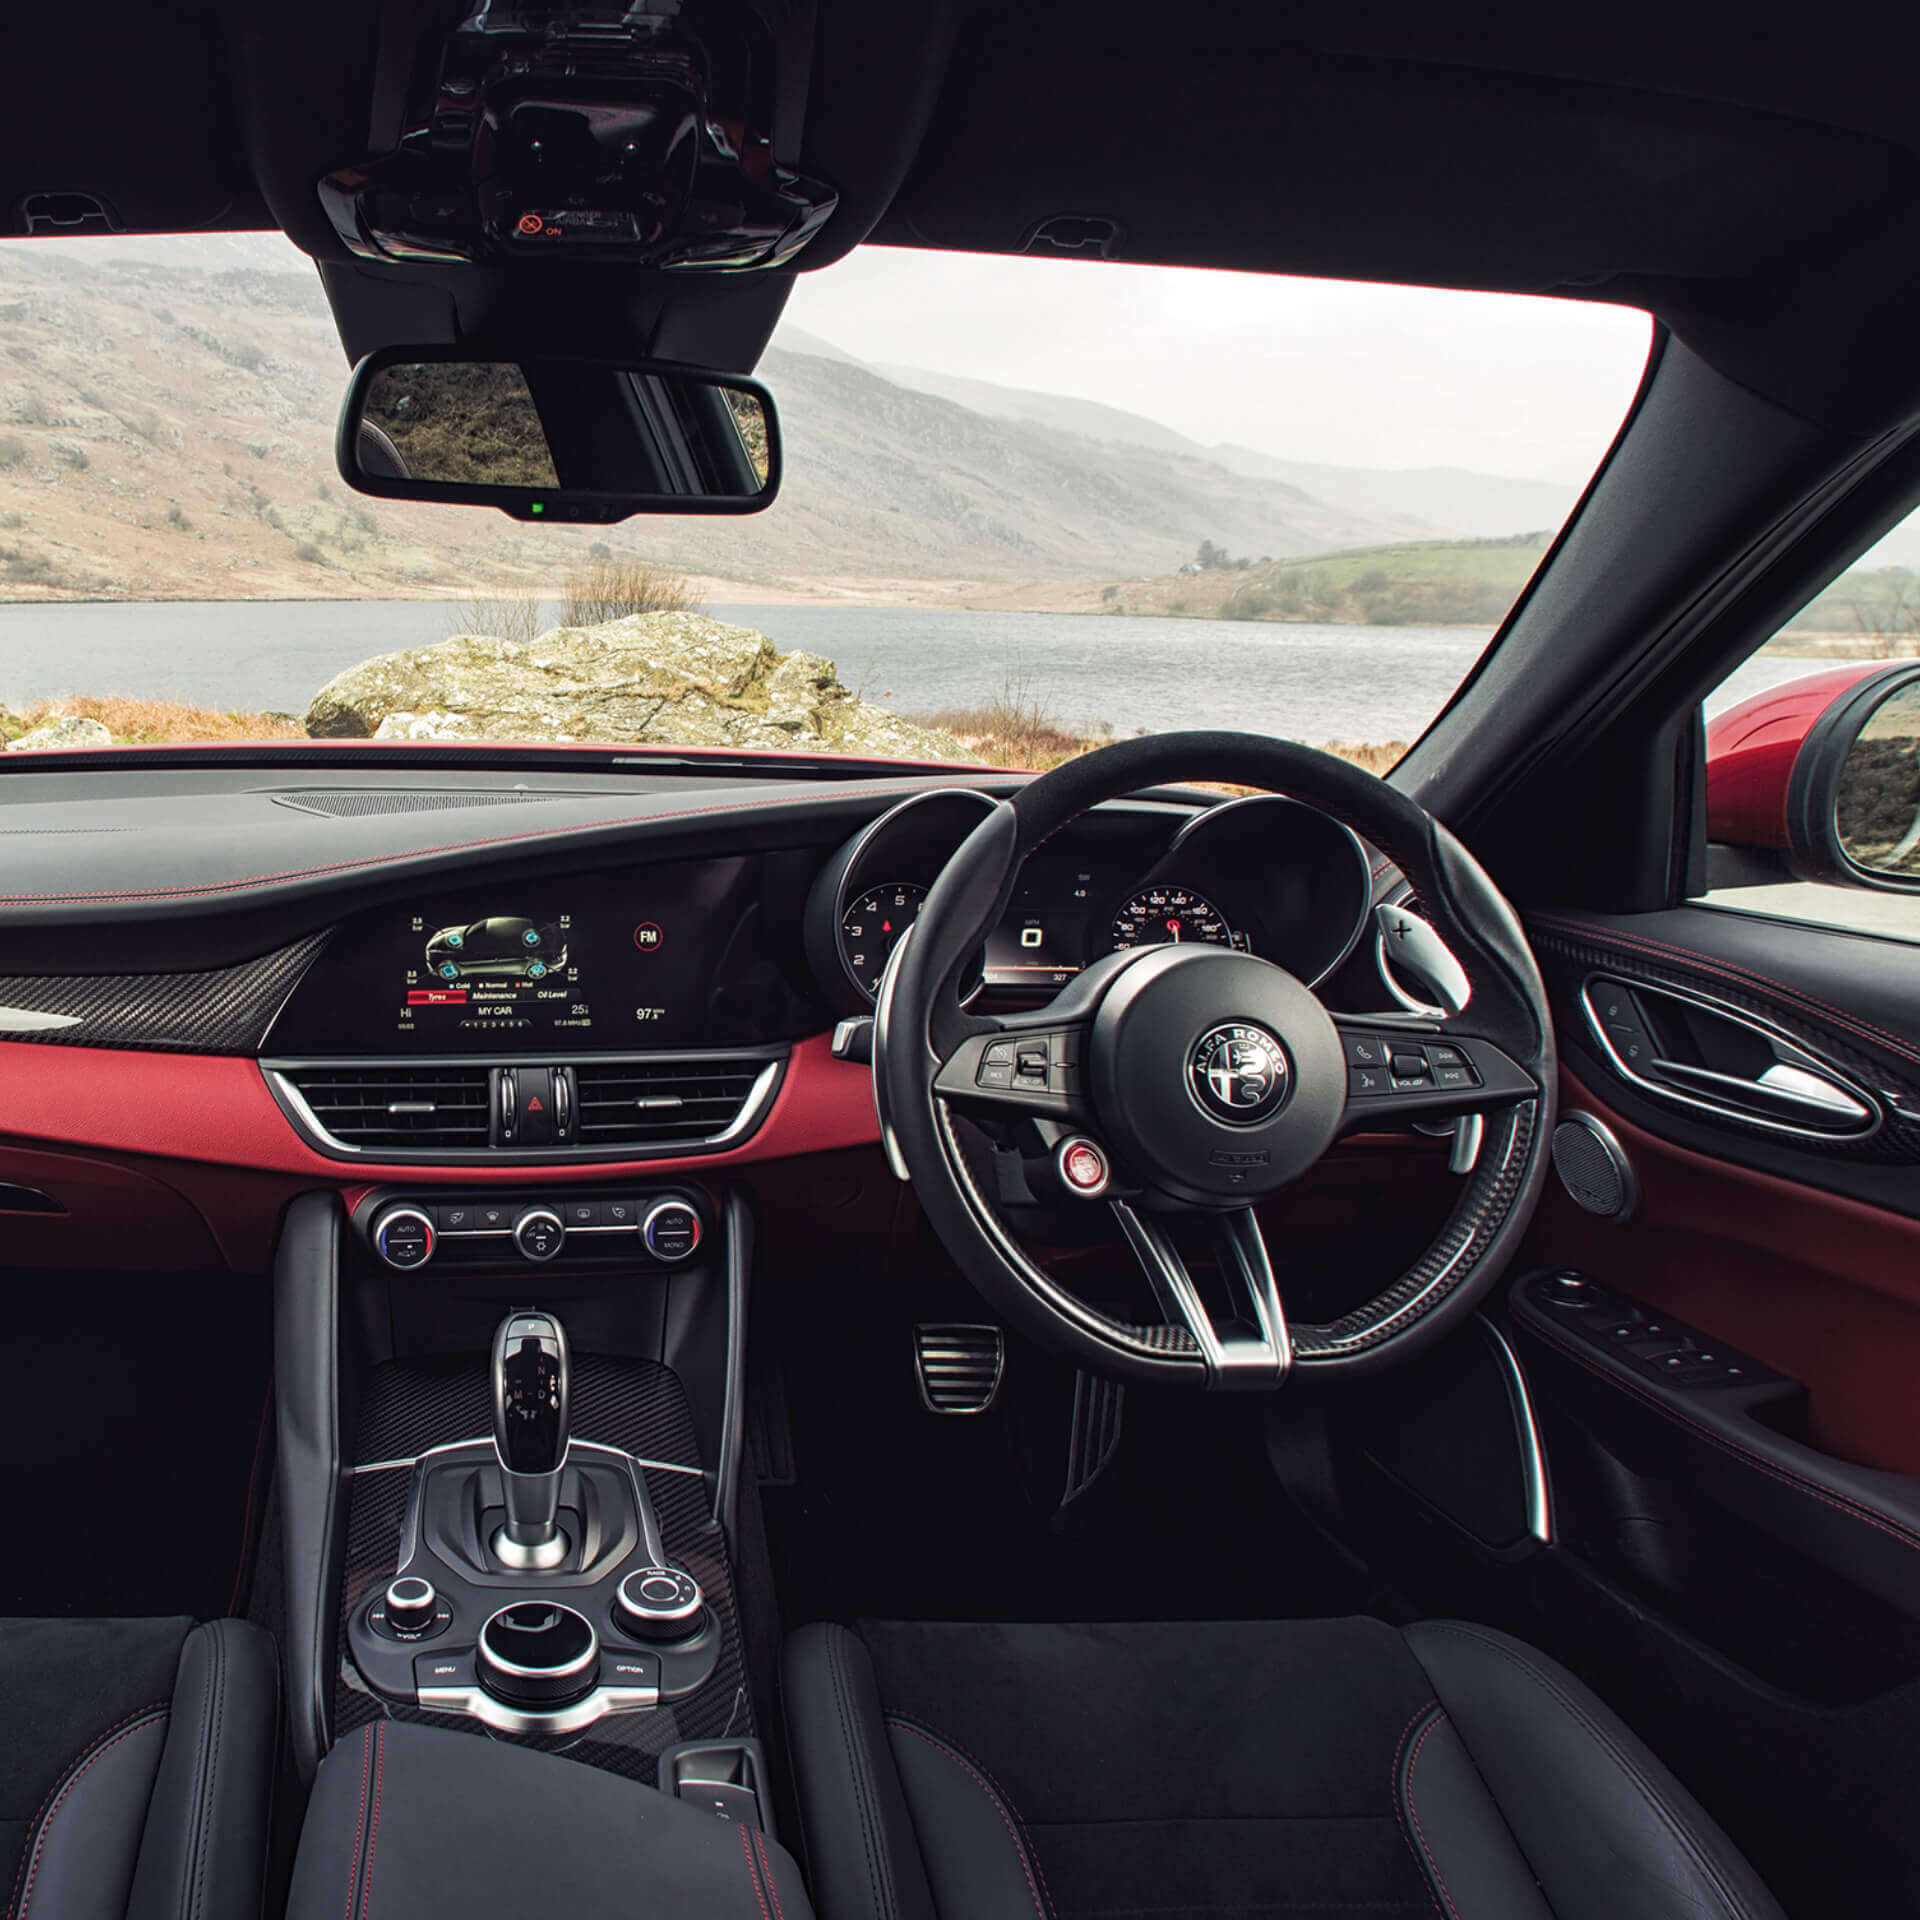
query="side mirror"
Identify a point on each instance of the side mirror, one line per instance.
(551, 438)
(1824, 773)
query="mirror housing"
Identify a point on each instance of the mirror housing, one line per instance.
(557, 437)
(1822, 774)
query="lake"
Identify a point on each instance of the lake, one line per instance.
(1304, 682)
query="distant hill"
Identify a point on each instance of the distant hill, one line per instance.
(1414, 502)
(1425, 583)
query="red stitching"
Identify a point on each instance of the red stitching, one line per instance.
(373, 1832)
(390, 860)
(135, 1724)
(1599, 936)
(746, 1846)
(1744, 1455)
(766, 1864)
(1413, 1760)
(360, 1823)
(993, 1799)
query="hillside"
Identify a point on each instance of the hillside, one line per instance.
(167, 433)
(1419, 583)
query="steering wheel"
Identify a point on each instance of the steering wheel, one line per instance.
(1191, 1082)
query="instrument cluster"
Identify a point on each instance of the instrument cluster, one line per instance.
(1266, 875)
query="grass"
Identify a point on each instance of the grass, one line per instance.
(613, 589)
(1018, 729)
(139, 723)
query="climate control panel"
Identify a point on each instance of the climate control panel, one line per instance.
(655, 1226)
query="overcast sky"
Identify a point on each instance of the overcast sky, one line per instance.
(1306, 369)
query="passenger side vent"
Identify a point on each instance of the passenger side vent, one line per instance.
(669, 1101)
(402, 1108)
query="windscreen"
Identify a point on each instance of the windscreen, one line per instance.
(1030, 506)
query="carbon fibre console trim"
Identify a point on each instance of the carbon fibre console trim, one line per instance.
(220, 1010)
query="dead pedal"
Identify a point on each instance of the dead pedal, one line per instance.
(958, 1367)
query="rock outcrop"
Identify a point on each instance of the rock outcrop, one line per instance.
(669, 679)
(69, 731)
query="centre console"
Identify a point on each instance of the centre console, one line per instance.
(509, 1431)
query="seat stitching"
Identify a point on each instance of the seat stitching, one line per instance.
(1393, 1780)
(1744, 1455)
(753, 1875)
(766, 1864)
(994, 1800)
(872, 1837)
(360, 1822)
(206, 1772)
(1648, 1789)
(373, 1827)
(125, 1730)
(1433, 1863)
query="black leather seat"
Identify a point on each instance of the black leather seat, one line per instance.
(136, 1768)
(1166, 1772)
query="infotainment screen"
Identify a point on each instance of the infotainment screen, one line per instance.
(671, 955)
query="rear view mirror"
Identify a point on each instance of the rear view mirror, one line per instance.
(1824, 773)
(547, 438)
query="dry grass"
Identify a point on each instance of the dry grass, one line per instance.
(156, 722)
(612, 589)
(501, 616)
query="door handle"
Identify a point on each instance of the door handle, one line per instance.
(1792, 1088)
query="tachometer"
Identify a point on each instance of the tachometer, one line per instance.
(1163, 914)
(872, 926)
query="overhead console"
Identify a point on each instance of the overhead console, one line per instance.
(658, 133)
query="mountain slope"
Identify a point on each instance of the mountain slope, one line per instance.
(167, 432)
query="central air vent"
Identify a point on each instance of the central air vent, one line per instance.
(411, 1109)
(688, 1101)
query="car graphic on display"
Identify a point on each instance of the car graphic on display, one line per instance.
(503, 948)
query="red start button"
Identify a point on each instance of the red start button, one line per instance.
(1083, 1167)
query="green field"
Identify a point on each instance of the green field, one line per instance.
(1418, 584)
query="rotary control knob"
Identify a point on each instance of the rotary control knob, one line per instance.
(411, 1604)
(659, 1604)
(539, 1233)
(404, 1237)
(671, 1231)
(538, 1654)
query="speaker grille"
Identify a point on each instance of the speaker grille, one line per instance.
(1593, 1166)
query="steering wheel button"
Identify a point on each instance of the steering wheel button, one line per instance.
(1363, 1050)
(1368, 1080)
(1084, 1167)
(999, 1053)
(994, 1074)
(1453, 1078)
(1409, 1066)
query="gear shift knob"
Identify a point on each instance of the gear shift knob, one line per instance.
(531, 1379)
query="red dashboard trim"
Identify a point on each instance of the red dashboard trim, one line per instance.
(199, 1109)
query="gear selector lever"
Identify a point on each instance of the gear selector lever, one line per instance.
(531, 1378)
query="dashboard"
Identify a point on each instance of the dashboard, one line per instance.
(335, 973)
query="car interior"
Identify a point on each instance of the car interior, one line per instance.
(873, 1381)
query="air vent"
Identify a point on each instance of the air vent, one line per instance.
(958, 1366)
(401, 1108)
(685, 1100)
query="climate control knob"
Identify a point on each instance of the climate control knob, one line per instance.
(539, 1233)
(404, 1237)
(671, 1230)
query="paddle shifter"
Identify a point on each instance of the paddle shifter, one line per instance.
(531, 1379)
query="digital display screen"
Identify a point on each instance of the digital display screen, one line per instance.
(673, 955)
(1044, 936)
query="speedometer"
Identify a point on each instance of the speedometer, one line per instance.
(1163, 914)
(871, 927)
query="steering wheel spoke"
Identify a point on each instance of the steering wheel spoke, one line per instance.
(1253, 1351)
(1035, 1067)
